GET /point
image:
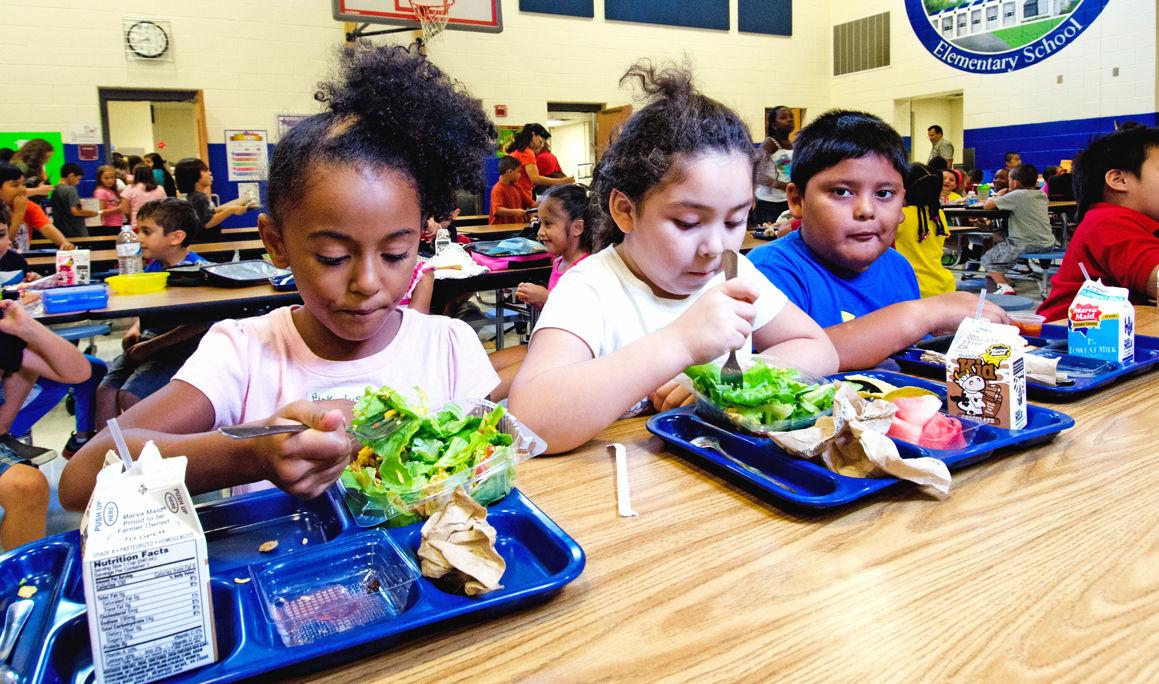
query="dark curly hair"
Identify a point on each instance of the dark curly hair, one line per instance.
(923, 189)
(389, 108)
(679, 121)
(1126, 149)
(576, 205)
(841, 134)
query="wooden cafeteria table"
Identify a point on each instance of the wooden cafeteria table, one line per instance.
(110, 241)
(1042, 565)
(107, 258)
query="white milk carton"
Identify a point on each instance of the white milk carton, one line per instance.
(146, 573)
(986, 374)
(1101, 323)
(73, 266)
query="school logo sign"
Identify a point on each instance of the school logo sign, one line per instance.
(996, 36)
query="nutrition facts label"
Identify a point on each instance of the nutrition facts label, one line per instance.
(153, 616)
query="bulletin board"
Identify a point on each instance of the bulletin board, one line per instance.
(570, 8)
(15, 140)
(708, 14)
(771, 17)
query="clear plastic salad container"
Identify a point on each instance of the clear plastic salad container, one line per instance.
(487, 481)
(801, 400)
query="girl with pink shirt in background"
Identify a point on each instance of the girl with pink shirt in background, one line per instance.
(143, 189)
(112, 205)
(349, 191)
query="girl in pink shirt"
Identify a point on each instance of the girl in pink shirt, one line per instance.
(143, 189)
(565, 229)
(349, 190)
(112, 206)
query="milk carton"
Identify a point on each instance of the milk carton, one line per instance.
(1101, 323)
(73, 266)
(986, 374)
(146, 573)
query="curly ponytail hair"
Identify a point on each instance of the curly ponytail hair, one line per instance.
(678, 121)
(389, 108)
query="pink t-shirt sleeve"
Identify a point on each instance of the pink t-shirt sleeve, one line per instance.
(469, 370)
(217, 370)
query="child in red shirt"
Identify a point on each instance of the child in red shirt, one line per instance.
(1117, 240)
(508, 202)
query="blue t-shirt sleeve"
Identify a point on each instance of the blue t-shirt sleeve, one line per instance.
(773, 261)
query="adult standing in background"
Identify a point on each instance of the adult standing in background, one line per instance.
(940, 147)
(548, 165)
(773, 167)
(31, 159)
(527, 143)
(161, 174)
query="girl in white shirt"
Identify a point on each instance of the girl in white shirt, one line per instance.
(674, 192)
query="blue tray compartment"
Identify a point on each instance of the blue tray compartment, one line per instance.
(818, 489)
(1092, 374)
(541, 560)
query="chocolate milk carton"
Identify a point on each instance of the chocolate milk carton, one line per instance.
(986, 374)
(146, 573)
(1101, 323)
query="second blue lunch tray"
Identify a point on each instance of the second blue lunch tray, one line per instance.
(816, 488)
(1088, 374)
(314, 537)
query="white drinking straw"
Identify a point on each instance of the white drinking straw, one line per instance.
(1083, 268)
(981, 304)
(119, 440)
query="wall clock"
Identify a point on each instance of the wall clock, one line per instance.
(147, 39)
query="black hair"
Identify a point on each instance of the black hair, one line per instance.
(975, 175)
(1025, 174)
(133, 161)
(187, 173)
(935, 128)
(167, 181)
(771, 121)
(507, 163)
(10, 172)
(143, 174)
(172, 214)
(5, 216)
(679, 122)
(577, 204)
(6, 154)
(939, 164)
(523, 138)
(1126, 149)
(841, 134)
(1010, 155)
(69, 168)
(923, 188)
(1048, 172)
(389, 109)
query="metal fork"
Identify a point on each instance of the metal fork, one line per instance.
(713, 444)
(370, 434)
(730, 372)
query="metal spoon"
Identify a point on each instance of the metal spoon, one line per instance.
(18, 614)
(713, 444)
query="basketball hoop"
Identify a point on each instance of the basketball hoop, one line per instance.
(432, 15)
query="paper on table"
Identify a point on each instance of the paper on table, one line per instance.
(458, 551)
(623, 492)
(92, 204)
(852, 442)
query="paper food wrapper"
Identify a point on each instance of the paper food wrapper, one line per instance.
(1043, 370)
(852, 442)
(458, 548)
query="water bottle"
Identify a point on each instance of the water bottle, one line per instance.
(442, 239)
(129, 251)
(971, 198)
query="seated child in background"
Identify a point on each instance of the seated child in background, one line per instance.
(565, 229)
(1117, 240)
(950, 187)
(67, 213)
(674, 192)
(24, 216)
(192, 177)
(921, 236)
(508, 203)
(839, 268)
(28, 350)
(349, 191)
(153, 350)
(1027, 228)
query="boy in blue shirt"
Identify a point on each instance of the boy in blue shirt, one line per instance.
(154, 351)
(847, 188)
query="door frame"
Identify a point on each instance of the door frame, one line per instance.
(195, 97)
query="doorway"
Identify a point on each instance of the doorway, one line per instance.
(914, 116)
(139, 121)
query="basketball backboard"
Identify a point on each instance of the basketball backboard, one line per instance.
(465, 15)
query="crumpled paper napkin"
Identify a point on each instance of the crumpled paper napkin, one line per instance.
(458, 548)
(853, 442)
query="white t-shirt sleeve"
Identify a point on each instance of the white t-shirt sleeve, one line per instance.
(575, 307)
(771, 301)
(218, 370)
(471, 372)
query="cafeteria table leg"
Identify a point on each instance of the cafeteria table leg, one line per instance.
(500, 324)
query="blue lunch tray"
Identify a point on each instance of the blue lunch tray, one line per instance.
(1088, 374)
(54, 644)
(819, 489)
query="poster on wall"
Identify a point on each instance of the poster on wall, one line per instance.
(999, 36)
(246, 154)
(288, 121)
